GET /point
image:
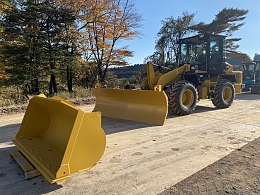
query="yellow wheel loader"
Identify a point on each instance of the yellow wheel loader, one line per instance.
(202, 74)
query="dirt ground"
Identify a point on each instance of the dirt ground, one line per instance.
(212, 151)
(236, 173)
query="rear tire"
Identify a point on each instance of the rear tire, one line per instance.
(224, 94)
(182, 98)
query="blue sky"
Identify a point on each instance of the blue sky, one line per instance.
(154, 11)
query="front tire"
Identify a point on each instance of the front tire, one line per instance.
(182, 98)
(224, 94)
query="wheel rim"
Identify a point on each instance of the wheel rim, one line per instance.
(227, 94)
(187, 98)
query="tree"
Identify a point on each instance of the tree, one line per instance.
(118, 21)
(4, 6)
(34, 36)
(226, 22)
(101, 24)
(3, 75)
(73, 37)
(49, 39)
(171, 31)
(85, 74)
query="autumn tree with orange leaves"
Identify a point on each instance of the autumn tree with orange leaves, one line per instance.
(101, 24)
(108, 22)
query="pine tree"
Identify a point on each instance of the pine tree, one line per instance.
(226, 22)
(36, 42)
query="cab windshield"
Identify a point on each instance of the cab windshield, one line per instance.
(192, 53)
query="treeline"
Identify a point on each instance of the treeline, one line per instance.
(127, 71)
(52, 45)
(46, 44)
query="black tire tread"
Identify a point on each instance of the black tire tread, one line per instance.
(218, 100)
(174, 97)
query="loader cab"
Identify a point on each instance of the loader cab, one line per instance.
(204, 53)
(249, 74)
(249, 66)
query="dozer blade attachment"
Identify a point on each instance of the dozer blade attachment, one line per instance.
(136, 105)
(60, 139)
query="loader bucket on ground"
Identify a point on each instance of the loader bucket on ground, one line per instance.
(60, 139)
(137, 105)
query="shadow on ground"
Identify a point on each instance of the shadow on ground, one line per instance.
(9, 175)
(198, 109)
(8, 132)
(236, 173)
(247, 96)
(113, 125)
